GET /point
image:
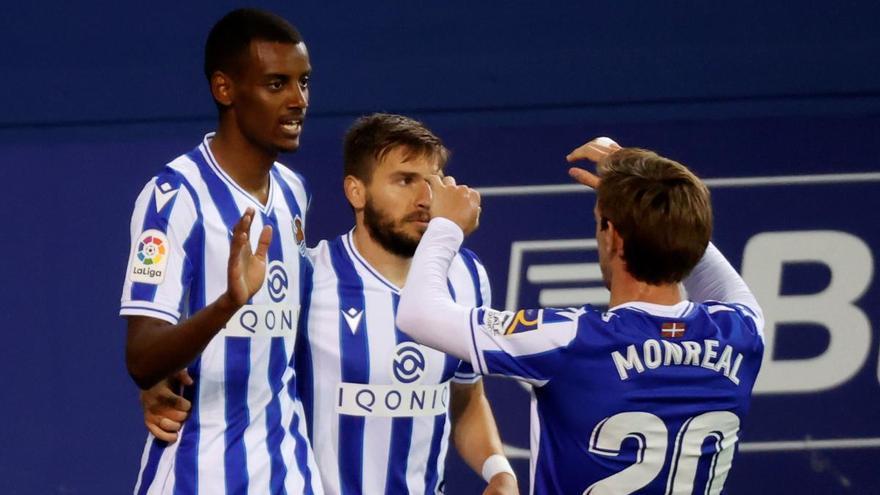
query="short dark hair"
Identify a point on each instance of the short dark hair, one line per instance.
(661, 210)
(232, 36)
(371, 137)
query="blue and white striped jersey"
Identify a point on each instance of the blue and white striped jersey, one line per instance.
(246, 432)
(376, 402)
(640, 399)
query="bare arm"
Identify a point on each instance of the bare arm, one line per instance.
(475, 434)
(156, 349)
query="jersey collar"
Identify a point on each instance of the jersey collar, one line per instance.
(215, 167)
(679, 310)
(353, 252)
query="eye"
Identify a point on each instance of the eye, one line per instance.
(304, 82)
(276, 85)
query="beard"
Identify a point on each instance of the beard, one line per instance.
(386, 231)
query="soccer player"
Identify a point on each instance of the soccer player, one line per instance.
(647, 397)
(194, 293)
(378, 405)
(377, 402)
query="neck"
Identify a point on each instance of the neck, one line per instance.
(625, 288)
(391, 266)
(247, 164)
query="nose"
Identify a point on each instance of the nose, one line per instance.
(298, 97)
(424, 196)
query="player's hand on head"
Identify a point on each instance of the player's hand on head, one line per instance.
(458, 203)
(165, 411)
(502, 484)
(595, 151)
(247, 269)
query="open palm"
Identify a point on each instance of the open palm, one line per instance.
(247, 269)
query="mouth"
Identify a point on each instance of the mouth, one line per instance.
(420, 220)
(292, 126)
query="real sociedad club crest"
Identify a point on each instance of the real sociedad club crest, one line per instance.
(299, 235)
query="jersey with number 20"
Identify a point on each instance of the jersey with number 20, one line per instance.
(639, 399)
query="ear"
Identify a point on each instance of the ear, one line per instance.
(355, 192)
(615, 244)
(222, 88)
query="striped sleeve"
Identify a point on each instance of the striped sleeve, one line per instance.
(159, 269)
(528, 344)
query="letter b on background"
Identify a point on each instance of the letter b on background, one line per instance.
(849, 260)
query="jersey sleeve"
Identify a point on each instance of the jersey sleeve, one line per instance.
(525, 344)
(159, 268)
(483, 297)
(713, 279)
(465, 373)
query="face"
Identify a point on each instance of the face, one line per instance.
(271, 95)
(398, 201)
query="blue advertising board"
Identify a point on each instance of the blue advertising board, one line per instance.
(795, 215)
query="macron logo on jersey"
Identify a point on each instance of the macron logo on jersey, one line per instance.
(163, 194)
(353, 318)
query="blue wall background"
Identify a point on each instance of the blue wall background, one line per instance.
(96, 96)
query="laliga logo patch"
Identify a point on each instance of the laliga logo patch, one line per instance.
(150, 258)
(408, 363)
(497, 321)
(276, 281)
(299, 235)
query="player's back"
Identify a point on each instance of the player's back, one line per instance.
(647, 399)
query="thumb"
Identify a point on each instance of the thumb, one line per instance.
(184, 378)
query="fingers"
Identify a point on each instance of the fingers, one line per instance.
(177, 403)
(594, 150)
(240, 237)
(161, 399)
(435, 181)
(244, 223)
(585, 177)
(448, 180)
(473, 196)
(163, 428)
(263, 243)
(161, 434)
(183, 377)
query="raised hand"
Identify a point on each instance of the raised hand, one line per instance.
(247, 270)
(595, 151)
(460, 204)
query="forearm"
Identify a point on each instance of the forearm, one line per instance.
(155, 350)
(474, 432)
(427, 311)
